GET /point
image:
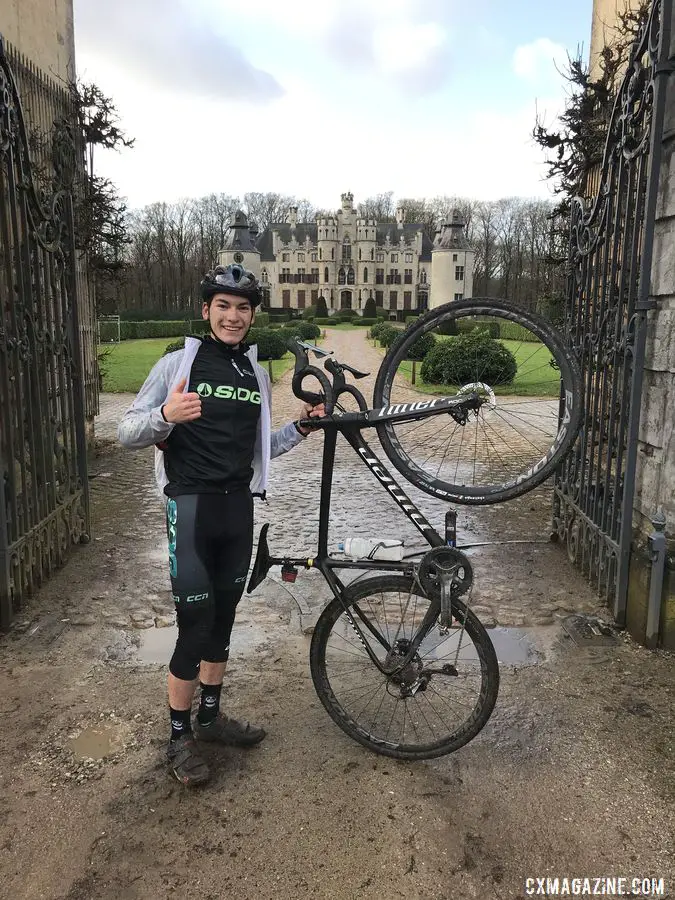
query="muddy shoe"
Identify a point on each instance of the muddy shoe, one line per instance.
(185, 761)
(229, 731)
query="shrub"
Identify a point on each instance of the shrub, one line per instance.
(410, 319)
(321, 308)
(346, 315)
(454, 362)
(308, 313)
(130, 331)
(423, 345)
(325, 321)
(381, 313)
(364, 321)
(154, 315)
(375, 329)
(448, 328)
(369, 310)
(387, 335)
(308, 331)
(200, 326)
(174, 345)
(262, 319)
(271, 344)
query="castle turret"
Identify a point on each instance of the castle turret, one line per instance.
(239, 245)
(452, 262)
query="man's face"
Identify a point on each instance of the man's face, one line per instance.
(230, 317)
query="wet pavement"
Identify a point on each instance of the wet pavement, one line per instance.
(573, 775)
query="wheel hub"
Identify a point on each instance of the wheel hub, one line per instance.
(408, 675)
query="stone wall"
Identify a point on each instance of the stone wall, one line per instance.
(43, 31)
(655, 477)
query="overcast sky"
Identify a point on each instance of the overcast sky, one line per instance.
(316, 97)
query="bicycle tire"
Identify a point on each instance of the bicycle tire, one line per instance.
(544, 439)
(328, 658)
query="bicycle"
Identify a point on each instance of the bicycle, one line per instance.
(399, 660)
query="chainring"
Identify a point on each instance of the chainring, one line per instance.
(445, 560)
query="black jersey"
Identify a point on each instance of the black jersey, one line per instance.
(214, 454)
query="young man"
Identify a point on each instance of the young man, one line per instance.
(207, 410)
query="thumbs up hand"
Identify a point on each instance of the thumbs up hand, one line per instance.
(182, 407)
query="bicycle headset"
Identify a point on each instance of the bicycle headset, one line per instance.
(232, 279)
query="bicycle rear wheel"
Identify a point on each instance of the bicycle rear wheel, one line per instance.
(417, 713)
(529, 384)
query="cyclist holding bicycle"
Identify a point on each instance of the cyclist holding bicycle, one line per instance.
(207, 410)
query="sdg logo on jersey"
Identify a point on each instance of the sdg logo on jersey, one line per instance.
(228, 392)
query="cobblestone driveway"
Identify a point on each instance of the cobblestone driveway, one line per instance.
(515, 584)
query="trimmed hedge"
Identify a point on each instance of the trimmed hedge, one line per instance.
(364, 321)
(262, 319)
(174, 345)
(324, 321)
(454, 362)
(308, 331)
(271, 344)
(423, 345)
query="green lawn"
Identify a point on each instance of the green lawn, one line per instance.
(535, 377)
(128, 363)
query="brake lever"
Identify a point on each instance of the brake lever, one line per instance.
(354, 372)
(317, 351)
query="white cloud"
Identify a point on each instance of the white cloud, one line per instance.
(542, 59)
(404, 46)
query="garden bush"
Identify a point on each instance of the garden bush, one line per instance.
(423, 345)
(321, 308)
(308, 313)
(271, 344)
(364, 321)
(387, 334)
(262, 319)
(325, 321)
(174, 345)
(410, 319)
(454, 362)
(375, 329)
(346, 315)
(308, 331)
(369, 310)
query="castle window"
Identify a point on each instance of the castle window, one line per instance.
(285, 257)
(454, 257)
(286, 299)
(320, 252)
(393, 299)
(379, 298)
(379, 276)
(394, 257)
(350, 275)
(346, 250)
(264, 277)
(332, 252)
(459, 296)
(380, 257)
(407, 299)
(423, 276)
(372, 253)
(301, 299)
(408, 257)
(459, 273)
(408, 276)
(301, 257)
(359, 254)
(325, 274)
(313, 257)
(365, 276)
(341, 276)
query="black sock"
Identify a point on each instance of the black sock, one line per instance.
(180, 723)
(209, 703)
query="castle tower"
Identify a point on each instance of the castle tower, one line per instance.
(239, 245)
(452, 263)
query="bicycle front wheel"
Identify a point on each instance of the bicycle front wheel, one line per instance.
(529, 385)
(437, 703)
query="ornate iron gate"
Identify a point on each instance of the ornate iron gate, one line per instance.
(610, 255)
(44, 506)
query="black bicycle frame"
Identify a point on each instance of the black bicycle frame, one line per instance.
(350, 425)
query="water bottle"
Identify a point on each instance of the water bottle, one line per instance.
(372, 548)
(451, 528)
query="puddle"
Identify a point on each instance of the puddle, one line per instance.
(157, 644)
(514, 646)
(97, 742)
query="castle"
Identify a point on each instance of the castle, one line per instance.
(347, 259)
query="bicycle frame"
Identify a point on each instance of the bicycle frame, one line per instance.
(350, 425)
